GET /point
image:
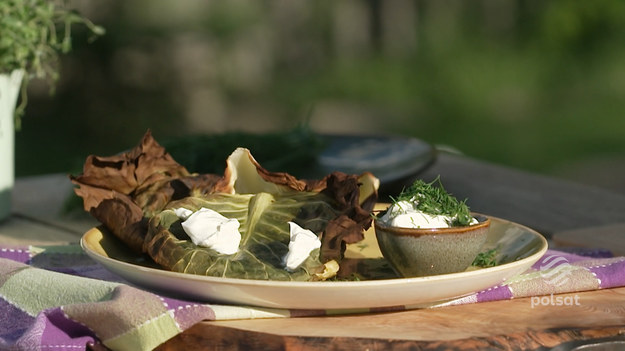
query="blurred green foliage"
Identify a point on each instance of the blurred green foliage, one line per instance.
(208, 153)
(525, 83)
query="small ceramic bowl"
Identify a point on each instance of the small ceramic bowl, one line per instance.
(432, 251)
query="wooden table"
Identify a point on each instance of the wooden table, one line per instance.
(568, 214)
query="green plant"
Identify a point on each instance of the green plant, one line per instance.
(32, 34)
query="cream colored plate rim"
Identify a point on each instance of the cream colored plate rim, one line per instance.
(468, 281)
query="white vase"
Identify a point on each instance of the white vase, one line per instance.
(9, 90)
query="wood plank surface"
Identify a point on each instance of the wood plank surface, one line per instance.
(610, 237)
(20, 231)
(543, 203)
(43, 199)
(548, 340)
(510, 324)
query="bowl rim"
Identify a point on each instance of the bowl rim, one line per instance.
(483, 222)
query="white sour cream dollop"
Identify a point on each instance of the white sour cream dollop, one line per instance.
(210, 229)
(404, 214)
(303, 242)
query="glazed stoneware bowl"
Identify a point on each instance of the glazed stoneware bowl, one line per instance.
(431, 251)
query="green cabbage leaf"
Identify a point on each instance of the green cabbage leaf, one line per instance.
(134, 195)
(264, 229)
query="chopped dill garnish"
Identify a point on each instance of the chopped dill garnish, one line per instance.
(485, 259)
(431, 198)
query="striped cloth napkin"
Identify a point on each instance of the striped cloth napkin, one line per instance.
(58, 298)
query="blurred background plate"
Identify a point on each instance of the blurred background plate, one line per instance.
(395, 160)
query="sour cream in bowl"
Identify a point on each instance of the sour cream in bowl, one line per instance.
(426, 231)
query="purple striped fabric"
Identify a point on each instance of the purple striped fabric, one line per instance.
(58, 298)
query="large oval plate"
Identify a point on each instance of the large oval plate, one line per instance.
(518, 247)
